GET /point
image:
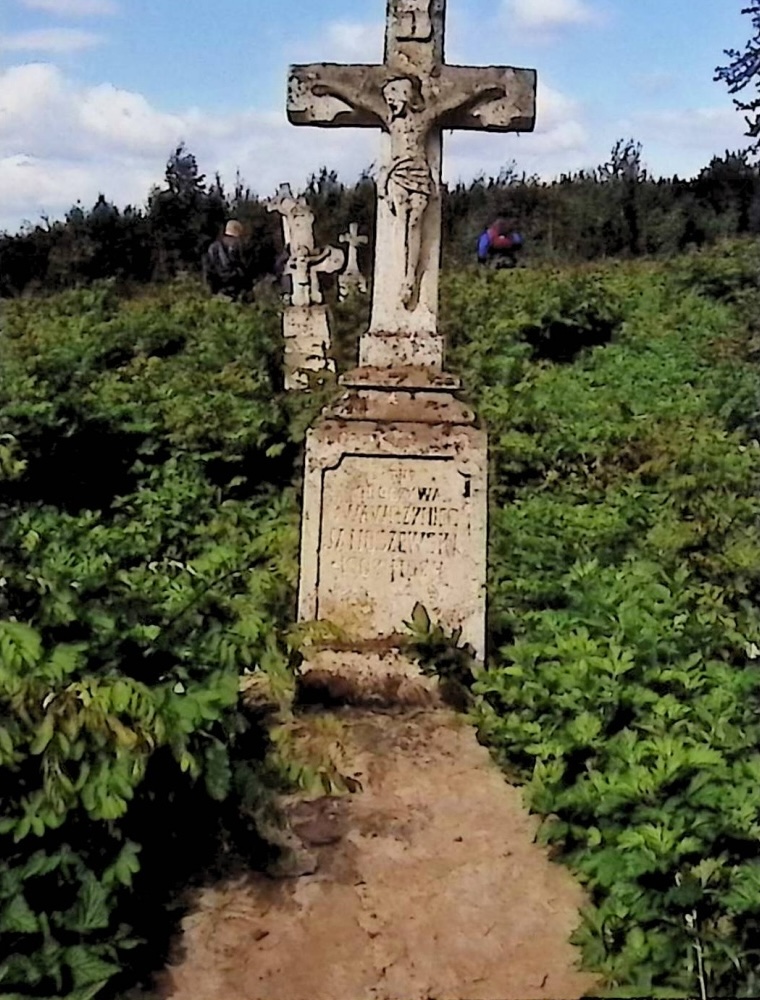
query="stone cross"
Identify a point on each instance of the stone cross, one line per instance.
(352, 276)
(306, 262)
(305, 320)
(412, 97)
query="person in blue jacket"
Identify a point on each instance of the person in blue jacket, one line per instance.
(499, 245)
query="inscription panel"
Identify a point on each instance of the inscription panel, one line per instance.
(395, 531)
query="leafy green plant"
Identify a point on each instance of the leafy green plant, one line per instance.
(150, 473)
(622, 684)
(440, 652)
(148, 545)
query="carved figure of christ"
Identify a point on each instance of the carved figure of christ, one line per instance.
(412, 97)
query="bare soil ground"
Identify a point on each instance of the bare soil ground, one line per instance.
(429, 887)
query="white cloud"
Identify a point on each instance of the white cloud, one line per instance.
(355, 42)
(561, 142)
(344, 42)
(61, 141)
(685, 140)
(49, 40)
(74, 8)
(547, 14)
(688, 127)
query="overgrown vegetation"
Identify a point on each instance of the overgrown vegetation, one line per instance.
(148, 541)
(149, 526)
(623, 685)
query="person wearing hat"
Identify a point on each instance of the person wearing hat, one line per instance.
(224, 267)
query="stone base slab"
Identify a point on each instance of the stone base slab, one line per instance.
(368, 678)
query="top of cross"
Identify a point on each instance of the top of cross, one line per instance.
(352, 238)
(417, 22)
(413, 96)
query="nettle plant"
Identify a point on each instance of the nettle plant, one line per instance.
(74, 752)
(632, 714)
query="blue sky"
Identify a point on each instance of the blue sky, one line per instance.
(94, 93)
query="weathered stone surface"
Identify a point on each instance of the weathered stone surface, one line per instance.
(395, 512)
(297, 218)
(306, 261)
(306, 327)
(351, 278)
(307, 345)
(369, 675)
(305, 267)
(412, 97)
(395, 502)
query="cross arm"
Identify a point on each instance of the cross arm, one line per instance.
(487, 98)
(332, 95)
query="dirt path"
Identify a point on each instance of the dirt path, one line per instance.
(429, 887)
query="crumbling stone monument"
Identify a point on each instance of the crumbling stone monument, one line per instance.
(306, 324)
(351, 278)
(395, 494)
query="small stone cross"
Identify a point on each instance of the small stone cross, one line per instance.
(306, 262)
(412, 97)
(352, 276)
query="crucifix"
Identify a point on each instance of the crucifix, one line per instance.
(412, 97)
(352, 276)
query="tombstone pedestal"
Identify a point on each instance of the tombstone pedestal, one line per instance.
(395, 513)
(307, 345)
(395, 506)
(401, 350)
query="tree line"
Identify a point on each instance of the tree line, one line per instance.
(614, 210)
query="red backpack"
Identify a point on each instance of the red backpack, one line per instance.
(499, 240)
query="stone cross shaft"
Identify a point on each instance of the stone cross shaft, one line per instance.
(297, 219)
(412, 97)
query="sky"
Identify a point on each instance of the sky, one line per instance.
(95, 94)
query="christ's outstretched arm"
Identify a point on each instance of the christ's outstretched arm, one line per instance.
(358, 88)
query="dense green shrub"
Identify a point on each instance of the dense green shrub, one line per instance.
(623, 685)
(150, 468)
(148, 540)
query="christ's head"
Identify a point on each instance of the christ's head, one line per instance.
(403, 96)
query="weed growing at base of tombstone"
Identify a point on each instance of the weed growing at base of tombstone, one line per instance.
(440, 652)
